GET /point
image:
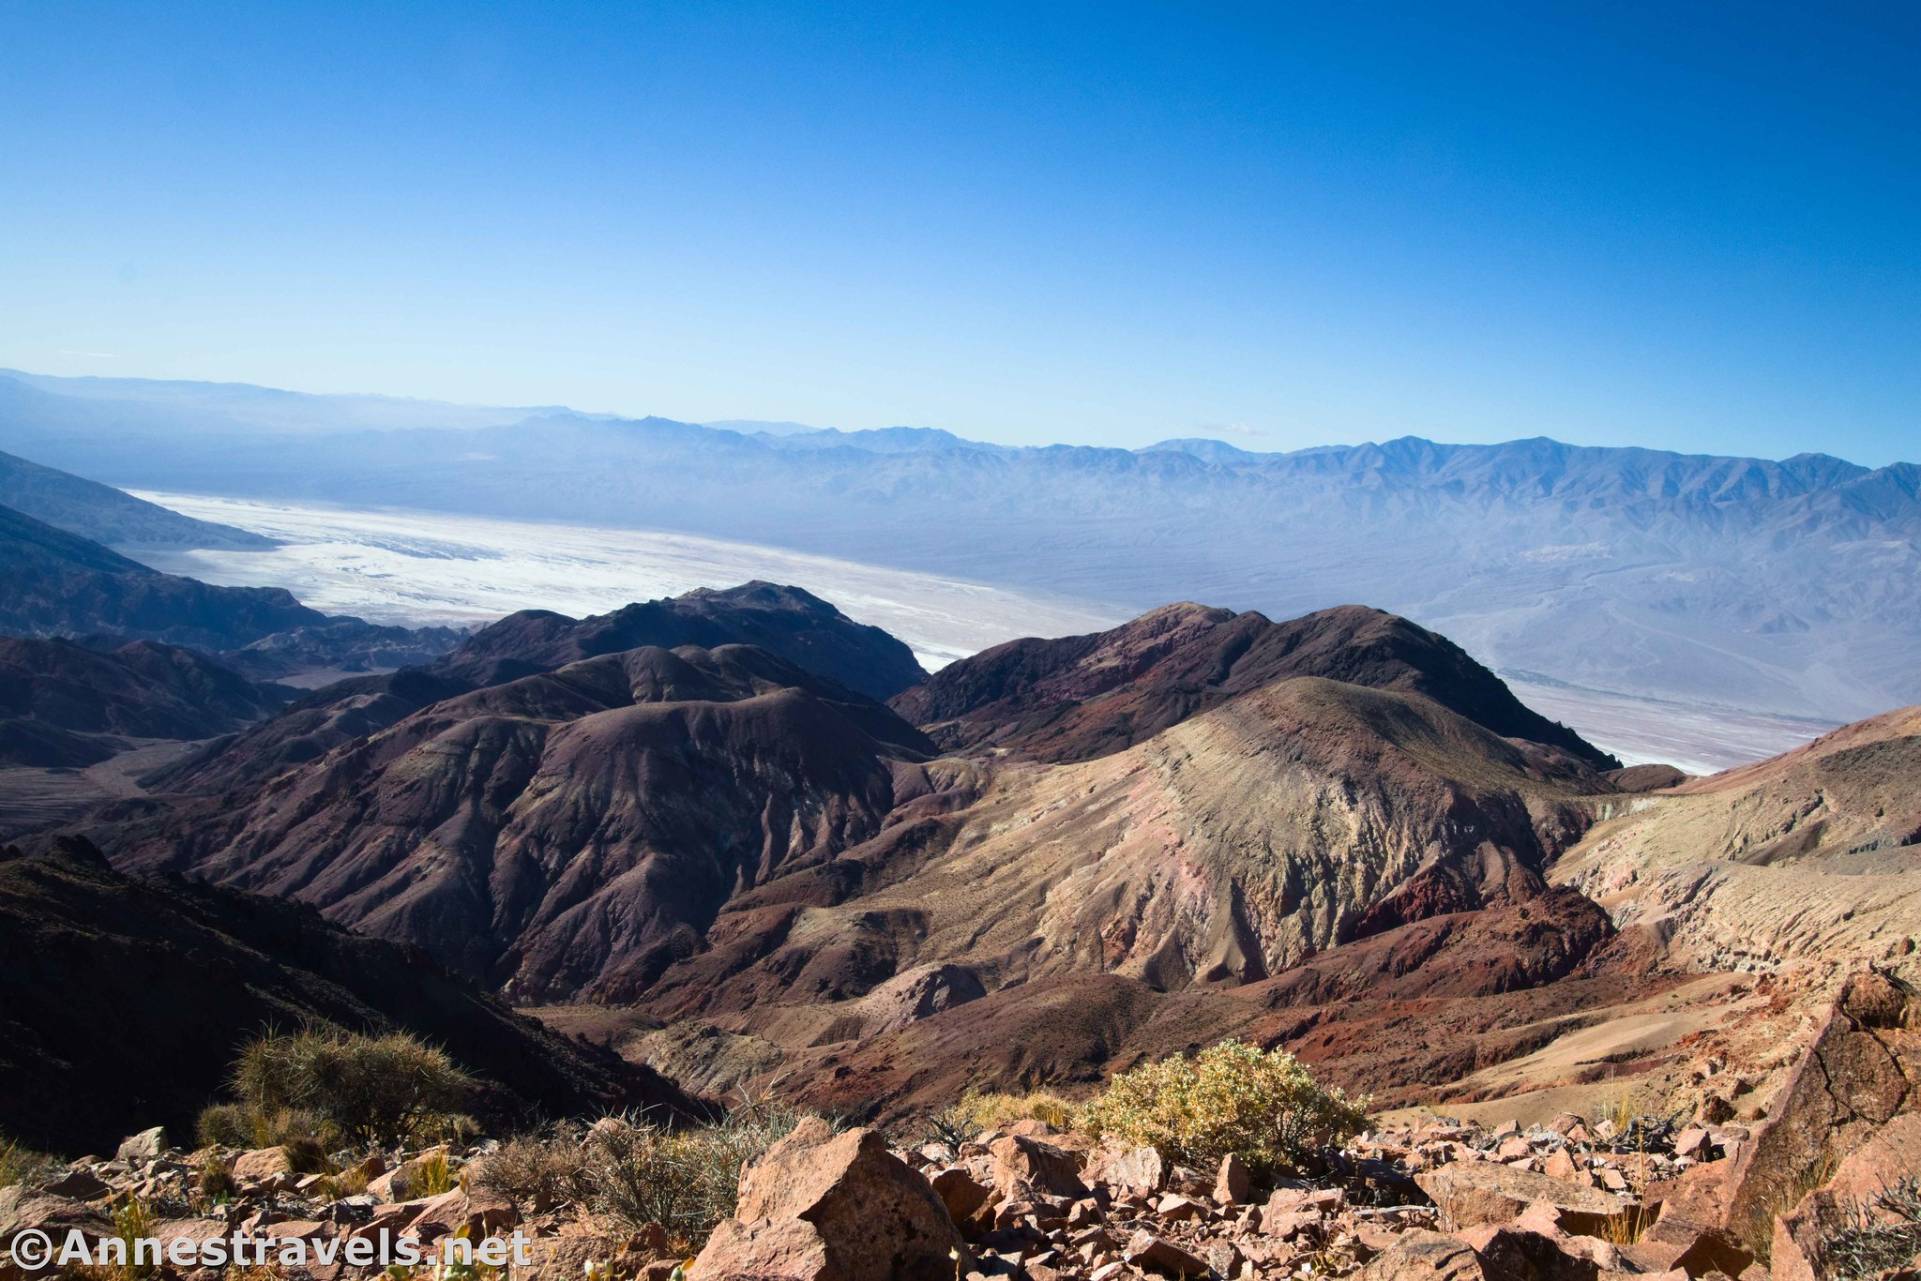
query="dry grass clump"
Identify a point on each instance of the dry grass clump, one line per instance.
(241, 1125)
(987, 1110)
(539, 1172)
(684, 1180)
(638, 1172)
(23, 1165)
(214, 1181)
(1231, 1097)
(306, 1136)
(433, 1175)
(351, 1181)
(370, 1091)
(1886, 1234)
(133, 1222)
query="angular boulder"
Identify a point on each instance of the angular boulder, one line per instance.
(137, 1149)
(1140, 1171)
(1023, 1164)
(22, 1210)
(958, 1191)
(1472, 1193)
(1157, 1254)
(480, 1212)
(1513, 1251)
(1855, 1079)
(821, 1206)
(260, 1164)
(1427, 1256)
(1232, 1184)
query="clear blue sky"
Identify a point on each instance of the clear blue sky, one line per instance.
(1683, 225)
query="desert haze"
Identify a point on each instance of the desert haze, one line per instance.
(1659, 594)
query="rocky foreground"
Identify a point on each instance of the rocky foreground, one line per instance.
(1791, 1196)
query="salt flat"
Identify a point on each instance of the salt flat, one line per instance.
(1697, 737)
(399, 566)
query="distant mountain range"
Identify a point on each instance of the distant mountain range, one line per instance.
(1783, 587)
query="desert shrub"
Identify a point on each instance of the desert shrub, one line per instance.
(241, 1125)
(133, 1223)
(988, 1110)
(1231, 1097)
(23, 1165)
(351, 1181)
(228, 1125)
(684, 1180)
(214, 1181)
(1886, 1234)
(375, 1090)
(306, 1137)
(541, 1172)
(306, 1155)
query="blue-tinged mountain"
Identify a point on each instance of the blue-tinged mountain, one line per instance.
(105, 514)
(1777, 586)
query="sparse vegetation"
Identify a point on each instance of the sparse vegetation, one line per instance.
(541, 1172)
(241, 1125)
(371, 1090)
(684, 1180)
(1231, 1097)
(433, 1175)
(22, 1165)
(214, 1181)
(133, 1221)
(351, 1181)
(993, 1111)
(1886, 1234)
(1756, 1232)
(1627, 1228)
(639, 1172)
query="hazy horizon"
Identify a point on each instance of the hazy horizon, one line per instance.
(778, 426)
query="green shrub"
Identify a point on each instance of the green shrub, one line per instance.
(1231, 1097)
(374, 1090)
(684, 1180)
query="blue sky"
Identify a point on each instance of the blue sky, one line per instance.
(1681, 225)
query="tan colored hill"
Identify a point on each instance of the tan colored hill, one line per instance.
(1812, 856)
(1224, 849)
